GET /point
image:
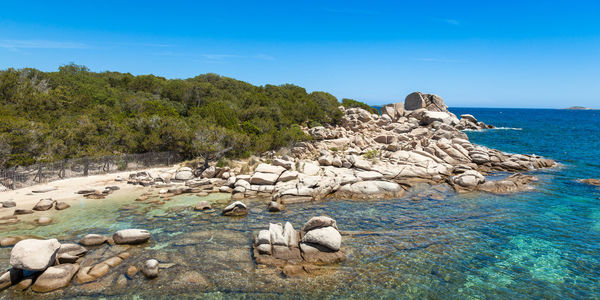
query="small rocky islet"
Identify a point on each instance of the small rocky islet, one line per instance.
(369, 156)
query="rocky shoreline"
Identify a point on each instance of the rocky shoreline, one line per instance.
(368, 156)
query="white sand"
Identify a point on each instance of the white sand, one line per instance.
(66, 189)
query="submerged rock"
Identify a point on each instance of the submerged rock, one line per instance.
(55, 278)
(93, 239)
(131, 236)
(591, 181)
(150, 268)
(44, 220)
(34, 255)
(202, 205)
(9, 203)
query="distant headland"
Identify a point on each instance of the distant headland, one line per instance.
(579, 108)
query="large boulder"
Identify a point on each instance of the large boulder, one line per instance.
(34, 255)
(131, 236)
(319, 222)
(418, 100)
(55, 278)
(326, 236)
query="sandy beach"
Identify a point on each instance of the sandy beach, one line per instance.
(66, 189)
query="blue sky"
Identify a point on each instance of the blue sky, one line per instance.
(472, 53)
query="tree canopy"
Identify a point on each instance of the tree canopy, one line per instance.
(47, 116)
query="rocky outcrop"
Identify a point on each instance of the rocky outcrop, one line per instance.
(591, 181)
(318, 243)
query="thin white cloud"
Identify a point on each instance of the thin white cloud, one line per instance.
(40, 44)
(452, 22)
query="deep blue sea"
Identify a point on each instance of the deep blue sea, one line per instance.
(532, 245)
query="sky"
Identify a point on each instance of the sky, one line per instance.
(543, 54)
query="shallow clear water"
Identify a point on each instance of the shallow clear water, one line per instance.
(542, 244)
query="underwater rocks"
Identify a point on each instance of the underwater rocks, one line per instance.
(8, 203)
(236, 208)
(296, 252)
(590, 181)
(61, 205)
(55, 278)
(131, 236)
(150, 268)
(34, 255)
(93, 239)
(202, 205)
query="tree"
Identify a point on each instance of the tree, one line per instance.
(5, 151)
(211, 143)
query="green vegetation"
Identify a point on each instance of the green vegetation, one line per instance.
(349, 103)
(371, 154)
(48, 116)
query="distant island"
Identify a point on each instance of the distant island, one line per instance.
(579, 108)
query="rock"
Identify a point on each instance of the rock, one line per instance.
(61, 205)
(469, 179)
(276, 232)
(313, 253)
(55, 278)
(150, 268)
(325, 236)
(8, 203)
(283, 163)
(44, 220)
(44, 189)
(86, 192)
(98, 270)
(288, 176)
(131, 236)
(23, 211)
(290, 235)
(202, 205)
(469, 118)
(269, 169)
(236, 208)
(210, 172)
(9, 241)
(319, 222)
(275, 206)
(83, 276)
(368, 175)
(264, 178)
(44, 204)
(591, 181)
(414, 101)
(184, 173)
(113, 261)
(131, 271)
(93, 239)
(34, 255)
(263, 237)
(264, 249)
(10, 277)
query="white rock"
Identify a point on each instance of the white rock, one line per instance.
(271, 169)
(276, 232)
(283, 163)
(287, 176)
(369, 175)
(325, 236)
(264, 178)
(34, 255)
(131, 236)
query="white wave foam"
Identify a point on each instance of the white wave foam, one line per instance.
(497, 128)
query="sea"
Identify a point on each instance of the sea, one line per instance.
(430, 244)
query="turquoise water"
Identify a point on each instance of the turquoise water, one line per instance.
(541, 244)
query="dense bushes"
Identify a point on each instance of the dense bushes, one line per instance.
(75, 112)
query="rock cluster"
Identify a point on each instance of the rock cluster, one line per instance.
(319, 242)
(48, 265)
